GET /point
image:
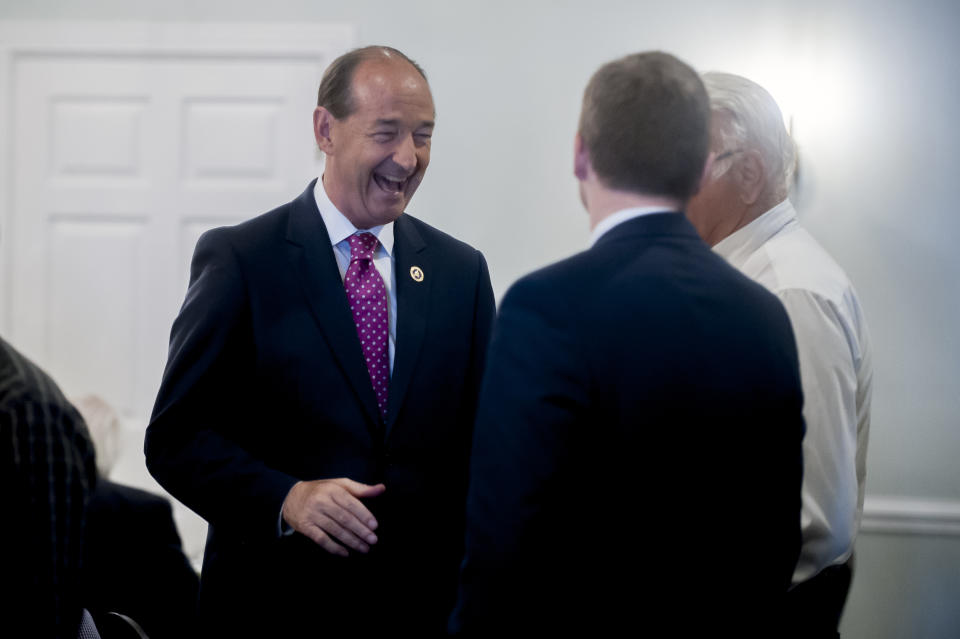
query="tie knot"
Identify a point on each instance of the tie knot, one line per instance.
(362, 246)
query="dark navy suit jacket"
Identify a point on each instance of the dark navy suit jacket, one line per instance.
(133, 563)
(266, 385)
(636, 463)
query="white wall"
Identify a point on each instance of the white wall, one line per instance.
(873, 91)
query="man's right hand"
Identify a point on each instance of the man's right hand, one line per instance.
(330, 511)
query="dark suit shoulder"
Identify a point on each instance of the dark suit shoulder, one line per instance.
(260, 234)
(559, 271)
(620, 247)
(653, 288)
(112, 495)
(22, 380)
(33, 404)
(554, 283)
(255, 233)
(433, 236)
(233, 256)
(659, 253)
(117, 511)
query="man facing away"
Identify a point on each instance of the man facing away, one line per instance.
(743, 212)
(318, 401)
(636, 462)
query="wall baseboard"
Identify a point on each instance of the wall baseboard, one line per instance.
(911, 516)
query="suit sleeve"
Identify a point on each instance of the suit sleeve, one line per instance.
(205, 390)
(532, 394)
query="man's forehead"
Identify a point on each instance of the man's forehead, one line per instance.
(392, 89)
(388, 75)
(398, 122)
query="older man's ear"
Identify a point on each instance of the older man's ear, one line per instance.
(751, 176)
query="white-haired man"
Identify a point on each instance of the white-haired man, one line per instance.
(743, 212)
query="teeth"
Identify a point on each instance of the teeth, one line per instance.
(390, 183)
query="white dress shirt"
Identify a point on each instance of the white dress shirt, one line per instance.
(835, 370)
(340, 229)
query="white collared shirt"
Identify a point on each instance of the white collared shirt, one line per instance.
(620, 217)
(835, 369)
(340, 229)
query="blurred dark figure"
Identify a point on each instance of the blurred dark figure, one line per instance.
(134, 564)
(47, 475)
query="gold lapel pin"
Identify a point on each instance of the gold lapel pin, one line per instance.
(416, 273)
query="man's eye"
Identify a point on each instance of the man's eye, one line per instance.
(383, 136)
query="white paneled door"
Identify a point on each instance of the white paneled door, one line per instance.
(124, 143)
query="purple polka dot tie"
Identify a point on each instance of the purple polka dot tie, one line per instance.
(368, 303)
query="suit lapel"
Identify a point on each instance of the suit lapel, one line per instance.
(414, 274)
(327, 299)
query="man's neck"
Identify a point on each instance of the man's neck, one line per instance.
(601, 203)
(725, 227)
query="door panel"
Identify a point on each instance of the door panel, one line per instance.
(122, 161)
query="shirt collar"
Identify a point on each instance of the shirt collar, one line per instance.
(737, 247)
(615, 219)
(340, 228)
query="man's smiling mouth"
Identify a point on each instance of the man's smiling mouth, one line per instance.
(390, 184)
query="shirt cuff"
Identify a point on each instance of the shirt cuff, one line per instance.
(283, 528)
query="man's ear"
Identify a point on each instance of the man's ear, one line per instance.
(322, 125)
(751, 175)
(581, 158)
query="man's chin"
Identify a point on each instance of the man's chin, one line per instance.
(387, 214)
(388, 207)
(396, 207)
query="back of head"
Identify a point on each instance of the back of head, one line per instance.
(335, 93)
(645, 124)
(753, 121)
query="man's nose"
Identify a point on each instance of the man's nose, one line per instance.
(406, 154)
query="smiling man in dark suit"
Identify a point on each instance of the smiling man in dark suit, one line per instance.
(636, 463)
(318, 401)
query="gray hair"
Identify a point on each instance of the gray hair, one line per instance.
(755, 123)
(103, 422)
